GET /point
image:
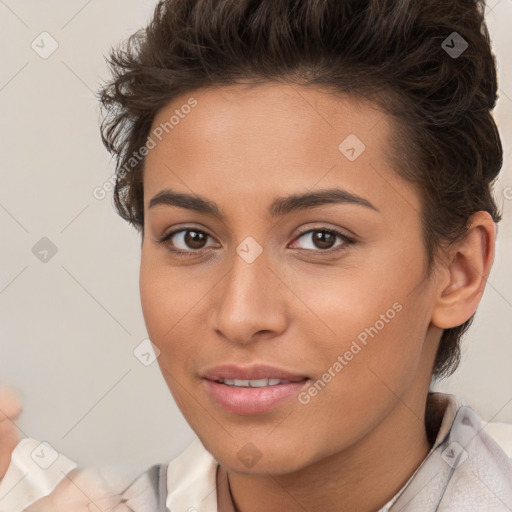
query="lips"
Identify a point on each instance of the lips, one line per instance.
(254, 372)
(252, 400)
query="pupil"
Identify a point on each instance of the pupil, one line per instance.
(321, 237)
(192, 237)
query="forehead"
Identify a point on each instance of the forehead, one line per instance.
(271, 114)
(269, 140)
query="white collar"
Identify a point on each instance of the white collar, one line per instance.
(191, 480)
(192, 476)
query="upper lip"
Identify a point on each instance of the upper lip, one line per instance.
(254, 372)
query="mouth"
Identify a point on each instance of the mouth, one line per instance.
(248, 397)
(255, 383)
(256, 375)
(250, 390)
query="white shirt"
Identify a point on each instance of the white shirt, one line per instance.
(466, 470)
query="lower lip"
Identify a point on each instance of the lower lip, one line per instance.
(246, 400)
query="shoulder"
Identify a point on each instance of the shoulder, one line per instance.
(465, 470)
(480, 470)
(185, 483)
(148, 492)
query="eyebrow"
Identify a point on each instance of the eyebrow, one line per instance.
(279, 207)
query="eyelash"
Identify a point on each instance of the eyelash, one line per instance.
(189, 254)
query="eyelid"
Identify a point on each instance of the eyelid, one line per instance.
(347, 241)
(164, 239)
(338, 233)
(341, 231)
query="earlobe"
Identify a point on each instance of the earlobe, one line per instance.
(466, 273)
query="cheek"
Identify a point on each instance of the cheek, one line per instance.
(165, 305)
(376, 321)
(152, 298)
(169, 304)
(362, 373)
(162, 308)
(372, 345)
(164, 298)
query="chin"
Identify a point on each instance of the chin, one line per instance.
(254, 459)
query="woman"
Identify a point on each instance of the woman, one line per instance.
(312, 181)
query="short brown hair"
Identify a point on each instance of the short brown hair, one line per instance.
(396, 53)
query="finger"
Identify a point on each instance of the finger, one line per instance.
(10, 404)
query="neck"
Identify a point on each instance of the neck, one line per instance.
(363, 477)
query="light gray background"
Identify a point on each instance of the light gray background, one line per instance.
(69, 326)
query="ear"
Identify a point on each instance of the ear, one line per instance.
(464, 273)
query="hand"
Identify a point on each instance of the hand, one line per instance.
(10, 409)
(82, 490)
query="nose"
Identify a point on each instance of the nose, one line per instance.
(249, 302)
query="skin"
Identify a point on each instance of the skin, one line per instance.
(10, 410)
(355, 444)
(358, 441)
(75, 491)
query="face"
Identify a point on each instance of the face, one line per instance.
(330, 292)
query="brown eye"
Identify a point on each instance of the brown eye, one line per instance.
(323, 240)
(194, 239)
(185, 240)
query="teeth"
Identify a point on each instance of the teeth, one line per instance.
(256, 383)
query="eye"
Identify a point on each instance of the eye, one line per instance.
(322, 239)
(189, 241)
